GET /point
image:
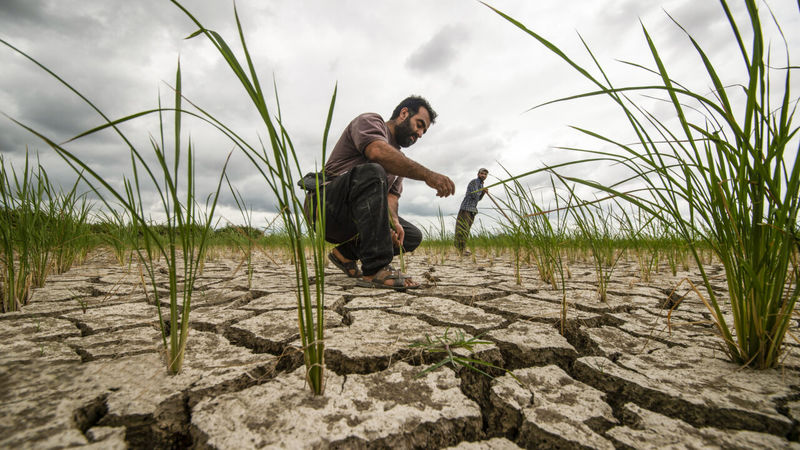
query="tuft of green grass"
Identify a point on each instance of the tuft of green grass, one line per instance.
(244, 237)
(42, 230)
(181, 240)
(724, 171)
(449, 346)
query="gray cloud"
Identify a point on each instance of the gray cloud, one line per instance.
(42, 16)
(22, 11)
(439, 52)
(118, 53)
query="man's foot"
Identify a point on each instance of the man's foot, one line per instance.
(349, 267)
(388, 278)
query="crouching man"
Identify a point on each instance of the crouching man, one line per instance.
(365, 172)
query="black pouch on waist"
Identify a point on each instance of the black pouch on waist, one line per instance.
(309, 181)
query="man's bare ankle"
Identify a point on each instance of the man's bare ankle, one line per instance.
(340, 257)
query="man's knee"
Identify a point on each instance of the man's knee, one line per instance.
(412, 238)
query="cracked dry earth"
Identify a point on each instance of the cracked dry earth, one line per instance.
(81, 365)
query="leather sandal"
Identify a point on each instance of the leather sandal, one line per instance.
(397, 278)
(349, 268)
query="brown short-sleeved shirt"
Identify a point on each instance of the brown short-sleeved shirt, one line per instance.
(349, 150)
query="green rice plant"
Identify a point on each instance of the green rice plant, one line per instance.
(43, 229)
(450, 346)
(279, 167)
(597, 230)
(675, 251)
(15, 227)
(181, 240)
(35, 224)
(444, 237)
(641, 236)
(66, 230)
(726, 173)
(515, 230)
(243, 238)
(548, 241)
(116, 230)
(401, 256)
(436, 239)
(537, 232)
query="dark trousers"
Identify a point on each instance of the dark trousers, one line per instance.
(357, 218)
(463, 224)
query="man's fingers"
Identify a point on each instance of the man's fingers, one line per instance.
(398, 236)
(444, 185)
(449, 187)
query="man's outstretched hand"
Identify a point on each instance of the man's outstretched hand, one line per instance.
(443, 185)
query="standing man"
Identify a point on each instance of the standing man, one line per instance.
(468, 209)
(366, 170)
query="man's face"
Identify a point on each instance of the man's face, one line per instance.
(410, 128)
(483, 175)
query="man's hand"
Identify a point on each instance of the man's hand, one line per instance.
(398, 234)
(443, 185)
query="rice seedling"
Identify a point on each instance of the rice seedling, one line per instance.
(181, 240)
(642, 239)
(597, 230)
(83, 304)
(39, 258)
(66, 231)
(515, 230)
(675, 251)
(724, 173)
(537, 233)
(279, 166)
(437, 240)
(244, 238)
(43, 230)
(31, 224)
(401, 255)
(117, 231)
(450, 346)
(186, 230)
(14, 235)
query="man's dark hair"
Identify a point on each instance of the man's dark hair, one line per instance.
(413, 103)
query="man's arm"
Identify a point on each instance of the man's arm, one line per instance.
(394, 161)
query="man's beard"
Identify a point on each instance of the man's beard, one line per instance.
(403, 134)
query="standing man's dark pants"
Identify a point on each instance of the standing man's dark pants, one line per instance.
(463, 224)
(357, 218)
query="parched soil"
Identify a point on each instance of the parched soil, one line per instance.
(82, 364)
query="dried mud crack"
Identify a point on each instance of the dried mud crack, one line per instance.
(82, 365)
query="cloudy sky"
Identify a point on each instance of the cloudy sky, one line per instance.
(480, 73)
